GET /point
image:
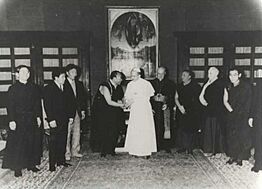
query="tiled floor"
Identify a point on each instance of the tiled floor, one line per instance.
(162, 170)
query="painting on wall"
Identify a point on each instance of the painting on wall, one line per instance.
(133, 40)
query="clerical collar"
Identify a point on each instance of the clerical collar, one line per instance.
(162, 79)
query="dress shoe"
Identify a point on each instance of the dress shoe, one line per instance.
(147, 157)
(181, 150)
(102, 155)
(77, 155)
(190, 152)
(18, 173)
(208, 154)
(239, 162)
(230, 161)
(255, 169)
(52, 169)
(64, 164)
(34, 169)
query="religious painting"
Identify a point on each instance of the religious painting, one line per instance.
(133, 40)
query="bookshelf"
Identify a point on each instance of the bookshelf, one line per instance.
(42, 51)
(53, 57)
(200, 50)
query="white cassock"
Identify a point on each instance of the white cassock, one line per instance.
(140, 137)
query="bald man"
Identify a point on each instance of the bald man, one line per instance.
(163, 103)
(211, 97)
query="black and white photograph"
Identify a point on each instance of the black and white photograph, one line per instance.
(110, 94)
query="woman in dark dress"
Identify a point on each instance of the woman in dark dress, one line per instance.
(106, 115)
(211, 97)
(237, 100)
(188, 114)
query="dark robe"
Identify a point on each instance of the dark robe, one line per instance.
(106, 120)
(213, 131)
(188, 123)
(23, 148)
(237, 129)
(256, 114)
(167, 88)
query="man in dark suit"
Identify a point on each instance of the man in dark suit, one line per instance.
(76, 100)
(58, 117)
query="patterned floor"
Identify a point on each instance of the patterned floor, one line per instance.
(162, 170)
(238, 177)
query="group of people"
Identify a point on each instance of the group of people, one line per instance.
(148, 103)
(221, 112)
(63, 102)
(218, 116)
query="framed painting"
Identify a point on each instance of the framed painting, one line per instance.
(133, 39)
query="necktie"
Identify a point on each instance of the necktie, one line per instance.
(73, 84)
(61, 87)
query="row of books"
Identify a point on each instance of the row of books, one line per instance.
(220, 50)
(55, 51)
(201, 62)
(210, 50)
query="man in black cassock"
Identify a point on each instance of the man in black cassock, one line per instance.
(58, 117)
(163, 104)
(24, 112)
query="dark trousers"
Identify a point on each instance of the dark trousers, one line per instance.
(57, 145)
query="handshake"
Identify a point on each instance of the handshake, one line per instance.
(125, 103)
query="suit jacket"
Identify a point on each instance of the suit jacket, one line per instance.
(55, 104)
(78, 102)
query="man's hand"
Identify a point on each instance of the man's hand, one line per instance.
(53, 124)
(12, 125)
(38, 121)
(250, 122)
(182, 109)
(164, 107)
(83, 115)
(71, 120)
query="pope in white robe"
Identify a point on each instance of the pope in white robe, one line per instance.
(140, 137)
